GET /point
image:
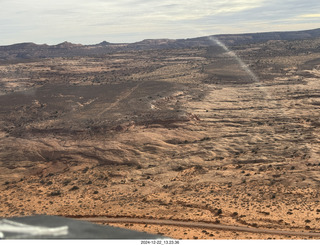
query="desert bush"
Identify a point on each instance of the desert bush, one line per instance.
(74, 188)
(219, 211)
(66, 182)
(55, 193)
(49, 182)
(234, 214)
(178, 169)
(85, 170)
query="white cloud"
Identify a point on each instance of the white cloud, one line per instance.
(52, 21)
(307, 16)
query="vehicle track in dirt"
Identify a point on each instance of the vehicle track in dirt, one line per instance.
(202, 225)
(120, 98)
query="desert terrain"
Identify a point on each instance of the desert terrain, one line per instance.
(197, 134)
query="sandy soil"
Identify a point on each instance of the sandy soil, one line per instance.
(166, 136)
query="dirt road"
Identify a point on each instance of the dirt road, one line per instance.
(191, 224)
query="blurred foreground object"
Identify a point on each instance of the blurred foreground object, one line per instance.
(54, 227)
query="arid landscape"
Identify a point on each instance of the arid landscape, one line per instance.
(180, 130)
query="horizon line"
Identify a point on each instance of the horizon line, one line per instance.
(174, 39)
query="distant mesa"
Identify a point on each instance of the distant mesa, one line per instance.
(156, 41)
(27, 45)
(104, 43)
(31, 50)
(24, 45)
(67, 45)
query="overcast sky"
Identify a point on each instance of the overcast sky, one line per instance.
(93, 21)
